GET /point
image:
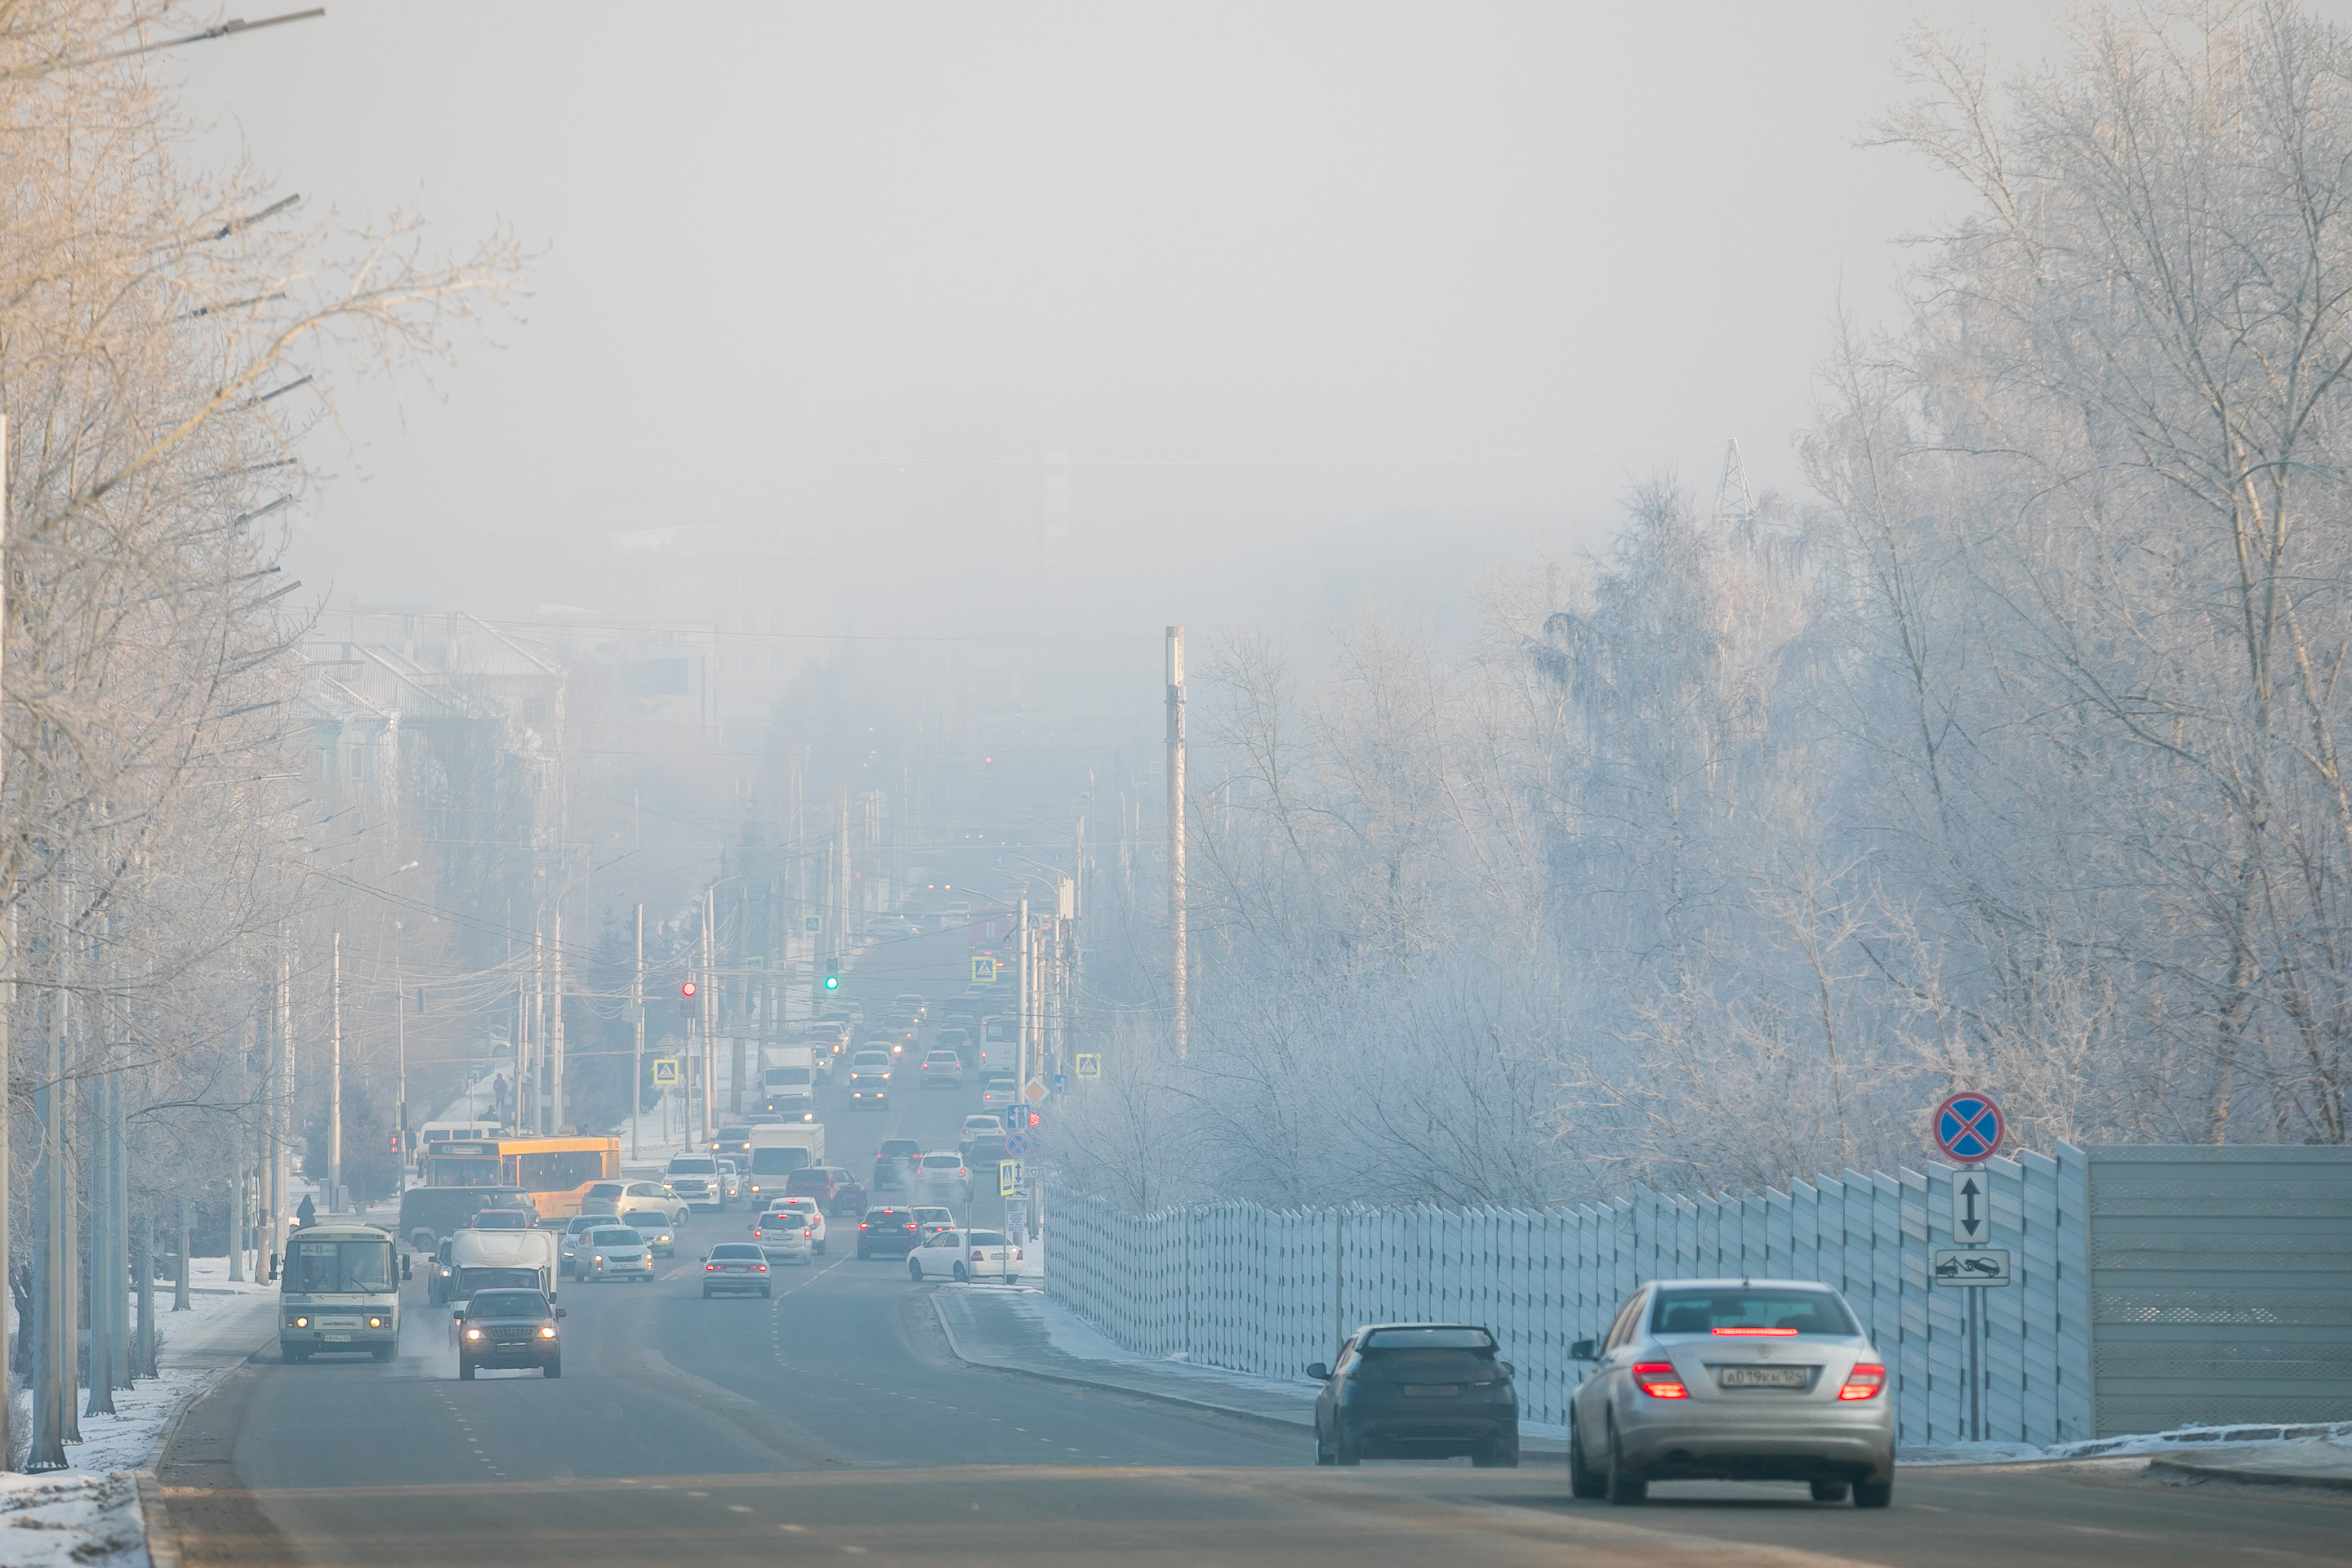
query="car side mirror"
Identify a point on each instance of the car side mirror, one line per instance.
(560, 1313)
(1582, 1351)
(458, 1316)
(1318, 1372)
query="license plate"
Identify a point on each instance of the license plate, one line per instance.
(1761, 1376)
(337, 1338)
(1430, 1390)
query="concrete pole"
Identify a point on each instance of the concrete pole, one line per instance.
(703, 1013)
(1023, 1061)
(1178, 1011)
(638, 1072)
(555, 1030)
(100, 1174)
(335, 1081)
(180, 1275)
(400, 1105)
(143, 1265)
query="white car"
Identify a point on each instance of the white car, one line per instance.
(985, 1125)
(966, 1255)
(785, 1237)
(808, 1212)
(943, 1171)
(612, 1251)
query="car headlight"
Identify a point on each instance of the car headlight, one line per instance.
(375, 1322)
(473, 1333)
(299, 1322)
(548, 1333)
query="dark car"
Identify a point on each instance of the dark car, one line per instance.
(894, 1162)
(1417, 1391)
(427, 1215)
(888, 1233)
(508, 1328)
(985, 1155)
(834, 1189)
(735, 1266)
(504, 1219)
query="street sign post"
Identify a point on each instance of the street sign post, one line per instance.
(1008, 1178)
(666, 1072)
(1972, 1208)
(1973, 1267)
(1089, 1063)
(1968, 1126)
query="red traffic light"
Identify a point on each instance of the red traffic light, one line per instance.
(686, 989)
(396, 1142)
(1034, 1119)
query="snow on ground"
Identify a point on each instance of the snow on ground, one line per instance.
(89, 1515)
(2140, 1444)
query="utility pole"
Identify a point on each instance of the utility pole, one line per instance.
(1178, 1011)
(704, 1012)
(10, 1327)
(400, 1012)
(555, 1029)
(1022, 1009)
(638, 1074)
(335, 1081)
(100, 1173)
(538, 1026)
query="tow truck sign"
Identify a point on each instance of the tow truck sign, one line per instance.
(1975, 1266)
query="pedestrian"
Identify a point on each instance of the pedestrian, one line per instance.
(307, 1215)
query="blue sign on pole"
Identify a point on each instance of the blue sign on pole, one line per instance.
(1968, 1126)
(1061, 1083)
(1017, 1146)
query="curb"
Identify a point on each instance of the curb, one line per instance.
(161, 1541)
(1279, 1423)
(2206, 1471)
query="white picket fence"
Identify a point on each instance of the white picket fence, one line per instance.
(1268, 1290)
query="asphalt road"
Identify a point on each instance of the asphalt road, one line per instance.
(831, 1421)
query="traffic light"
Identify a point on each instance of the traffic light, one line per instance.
(831, 980)
(686, 999)
(1034, 1119)
(396, 1142)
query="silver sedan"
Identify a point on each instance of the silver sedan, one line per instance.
(1734, 1380)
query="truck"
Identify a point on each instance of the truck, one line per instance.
(495, 1259)
(777, 1150)
(787, 1069)
(338, 1294)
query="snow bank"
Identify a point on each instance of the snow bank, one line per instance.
(2178, 1438)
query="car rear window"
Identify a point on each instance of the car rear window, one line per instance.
(989, 1238)
(894, 1147)
(942, 1161)
(1734, 1311)
(1435, 1339)
(886, 1216)
(735, 1249)
(644, 1219)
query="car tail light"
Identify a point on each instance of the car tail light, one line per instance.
(710, 1268)
(1751, 1333)
(1863, 1382)
(760, 1268)
(810, 1235)
(861, 1225)
(1659, 1380)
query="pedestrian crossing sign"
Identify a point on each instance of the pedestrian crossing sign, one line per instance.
(666, 1072)
(983, 971)
(1089, 1063)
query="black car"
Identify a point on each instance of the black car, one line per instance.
(508, 1328)
(888, 1233)
(894, 1162)
(1417, 1391)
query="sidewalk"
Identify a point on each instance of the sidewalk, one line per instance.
(1021, 1331)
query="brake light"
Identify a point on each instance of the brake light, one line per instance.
(808, 1234)
(1659, 1380)
(1863, 1382)
(861, 1225)
(1766, 1333)
(710, 1268)
(760, 1268)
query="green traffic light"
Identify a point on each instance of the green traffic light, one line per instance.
(832, 982)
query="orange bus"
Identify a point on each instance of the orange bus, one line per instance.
(555, 1171)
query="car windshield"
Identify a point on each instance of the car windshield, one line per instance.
(507, 1304)
(615, 1238)
(326, 1266)
(501, 1219)
(683, 1166)
(940, 1161)
(1737, 1310)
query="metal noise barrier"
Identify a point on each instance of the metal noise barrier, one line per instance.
(1267, 1291)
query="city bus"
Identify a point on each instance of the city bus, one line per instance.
(555, 1173)
(338, 1294)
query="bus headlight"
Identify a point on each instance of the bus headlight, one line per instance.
(375, 1322)
(299, 1322)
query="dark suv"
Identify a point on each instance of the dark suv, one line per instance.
(509, 1327)
(836, 1191)
(894, 1162)
(888, 1233)
(1417, 1391)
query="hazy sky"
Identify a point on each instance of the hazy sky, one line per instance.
(1090, 317)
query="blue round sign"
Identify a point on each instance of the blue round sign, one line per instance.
(1017, 1146)
(1968, 1126)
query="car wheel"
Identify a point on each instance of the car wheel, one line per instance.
(961, 1277)
(1323, 1454)
(291, 1354)
(763, 1292)
(1344, 1452)
(863, 1254)
(1626, 1488)
(818, 1249)
(1874, 1494)
(465, 1370)
(1500, 1453)
(1583, 1480)
(555, 1367)
(915, 1270)
(706, 1292)
(1829, 1491)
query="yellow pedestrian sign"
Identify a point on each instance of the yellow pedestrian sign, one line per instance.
(983, 971)
(1089, 1063)
(1008, 1178)
(666, 1072)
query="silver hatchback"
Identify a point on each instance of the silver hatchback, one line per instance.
(1733, 1380)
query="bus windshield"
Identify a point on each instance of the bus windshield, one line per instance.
(442, 1171)
(325, 1267)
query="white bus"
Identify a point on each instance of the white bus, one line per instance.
(338, 1294)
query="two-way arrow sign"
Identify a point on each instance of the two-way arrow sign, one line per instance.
(1971, 1207)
